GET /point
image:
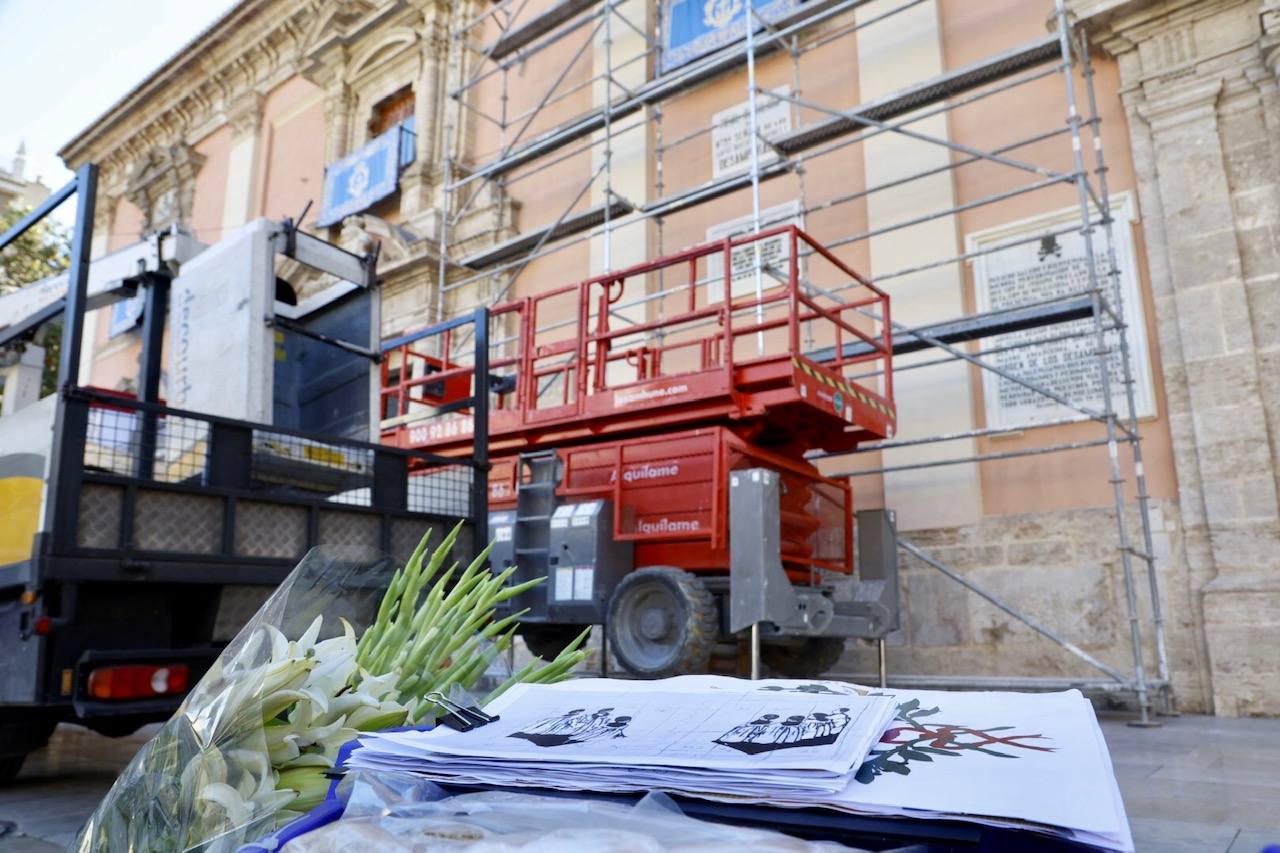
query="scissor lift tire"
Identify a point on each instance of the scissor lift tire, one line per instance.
(662, 622)
(809, 658)
(547, 641)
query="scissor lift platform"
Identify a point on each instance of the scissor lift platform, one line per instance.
(656, 347)
(623, 409)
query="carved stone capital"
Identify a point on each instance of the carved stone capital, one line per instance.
(362, 233)
(163, 185)
(1173, 106)
(1269, 43)
(104, 214)
(244, 114)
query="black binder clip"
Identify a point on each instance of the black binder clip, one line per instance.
(460, 717)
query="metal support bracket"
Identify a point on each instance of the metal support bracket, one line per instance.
(760, 591)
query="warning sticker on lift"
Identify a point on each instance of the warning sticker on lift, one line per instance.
(583, 582)
(564, 583)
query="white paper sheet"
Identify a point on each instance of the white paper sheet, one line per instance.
(993, 757)
(640, 725)
(1030, 761)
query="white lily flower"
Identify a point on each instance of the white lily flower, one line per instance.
(283, 748)
(347, 703)
(307, 759)
(307, 641)
(382, 716)
(237, 810)
(279, 643)
(379, 686)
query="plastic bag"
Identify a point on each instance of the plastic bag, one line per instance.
(205, 781)
(388, 811)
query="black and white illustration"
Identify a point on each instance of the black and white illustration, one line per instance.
(771, 732)
(576, 726)
(816, 688)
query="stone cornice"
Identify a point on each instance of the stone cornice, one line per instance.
(1194, 101)
(1117, 26)
(256, 45)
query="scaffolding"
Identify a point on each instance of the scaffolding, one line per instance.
(581, 119)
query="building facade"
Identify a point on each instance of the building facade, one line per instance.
(398, 122)
(18, 190)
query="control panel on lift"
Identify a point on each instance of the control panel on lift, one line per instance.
(585, 561)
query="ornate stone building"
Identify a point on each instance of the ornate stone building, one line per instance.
(1198, 80)
(16, 189)
(247, 118)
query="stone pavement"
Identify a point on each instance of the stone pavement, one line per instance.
(1195, 784)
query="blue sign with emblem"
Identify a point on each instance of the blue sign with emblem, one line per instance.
(692, 28)
(126, 314)
(367, 175)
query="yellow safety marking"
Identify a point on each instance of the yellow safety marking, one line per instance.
(20, 509)
(865, 398)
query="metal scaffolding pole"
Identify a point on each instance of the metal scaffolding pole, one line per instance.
(1104, 365)
(1135, 442)
(524, 153)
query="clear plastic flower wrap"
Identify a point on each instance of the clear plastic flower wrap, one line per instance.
(344, 645)
(390, 811)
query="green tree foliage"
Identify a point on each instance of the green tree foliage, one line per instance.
(43, 251)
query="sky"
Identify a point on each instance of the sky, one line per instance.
(63, 63)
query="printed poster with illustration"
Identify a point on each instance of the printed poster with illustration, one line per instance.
(636, 724)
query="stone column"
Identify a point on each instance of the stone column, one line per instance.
(1208, 173)
(104, 219)
(419, 181)
(244, 115)
(630, 154)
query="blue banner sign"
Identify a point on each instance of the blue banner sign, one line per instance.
(126, 314)
(692, 28)
(367, 175)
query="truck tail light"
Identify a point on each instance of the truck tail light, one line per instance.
(138, 681)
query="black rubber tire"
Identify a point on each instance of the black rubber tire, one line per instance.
(21, 733)
(808, 658)
(114, 726)
(688, 617)
(9, 767)
(547, 641)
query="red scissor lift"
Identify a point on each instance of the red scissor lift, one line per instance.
(637, 393)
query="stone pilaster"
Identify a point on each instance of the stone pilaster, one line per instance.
(338, 107)
(419, 182)
(244, 116)
(1201, 112)
(104, 220)
(938, 400)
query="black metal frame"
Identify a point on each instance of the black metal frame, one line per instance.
(478, 403)
(60, 569)
(227, 476)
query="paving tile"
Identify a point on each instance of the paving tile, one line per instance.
(1219, 775)
(1195, 784)
(1203, 803)
(1176, 836)
(25, 844)
(1249, 841)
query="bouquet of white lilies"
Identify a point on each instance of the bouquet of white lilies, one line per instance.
(252, 744)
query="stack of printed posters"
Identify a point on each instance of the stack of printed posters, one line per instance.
(624, 736)
(1031, 761)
